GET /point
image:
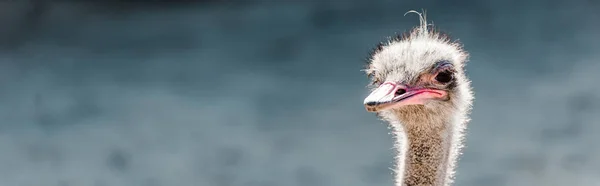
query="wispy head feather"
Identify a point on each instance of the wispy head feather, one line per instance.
(422, 29)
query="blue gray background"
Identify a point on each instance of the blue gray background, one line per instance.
(269, 93)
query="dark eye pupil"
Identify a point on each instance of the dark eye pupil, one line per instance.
(444, 77)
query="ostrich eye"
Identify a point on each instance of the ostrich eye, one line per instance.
(444, 77)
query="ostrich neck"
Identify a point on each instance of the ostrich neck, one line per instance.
(424, 142)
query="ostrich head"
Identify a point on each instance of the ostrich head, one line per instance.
(418, 76)
(419, 86)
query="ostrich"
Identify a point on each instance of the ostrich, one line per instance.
(419, 87)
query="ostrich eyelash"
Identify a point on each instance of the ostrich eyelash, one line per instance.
(443, 65)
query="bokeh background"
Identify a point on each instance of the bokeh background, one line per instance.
(269, 93)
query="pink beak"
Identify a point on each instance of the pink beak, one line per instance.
(390, 95)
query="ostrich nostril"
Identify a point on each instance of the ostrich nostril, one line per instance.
(400, 91)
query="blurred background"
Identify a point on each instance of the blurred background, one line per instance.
(269, 93)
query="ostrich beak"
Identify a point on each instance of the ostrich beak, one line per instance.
(393, 95)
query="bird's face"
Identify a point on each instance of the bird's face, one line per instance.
(415, 74)
(395, 90)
